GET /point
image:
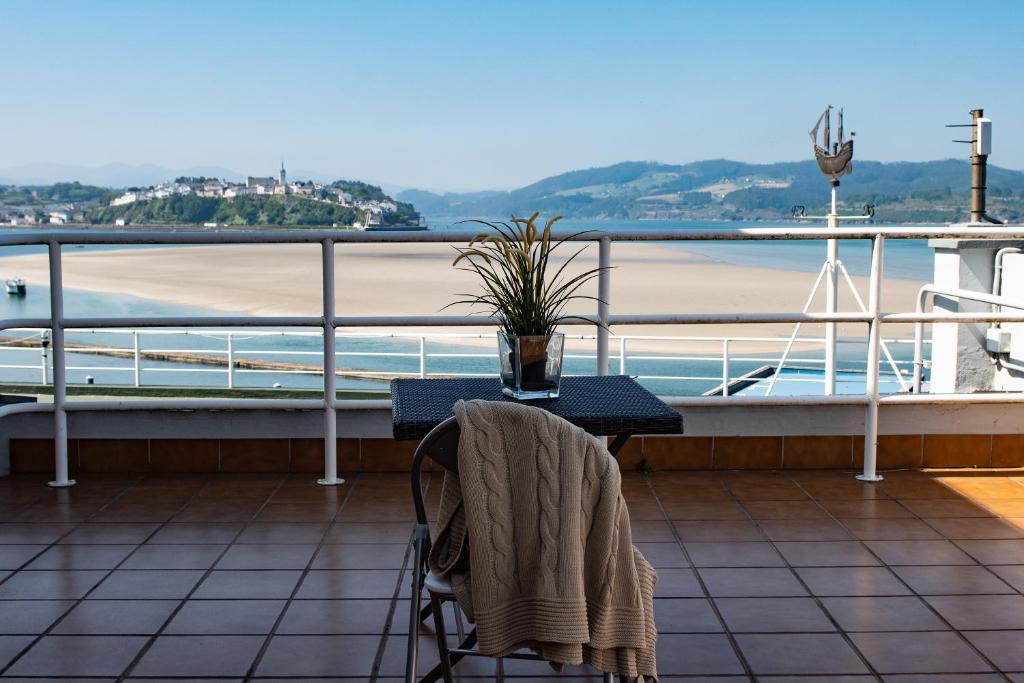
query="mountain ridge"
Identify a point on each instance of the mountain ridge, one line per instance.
(734, 190)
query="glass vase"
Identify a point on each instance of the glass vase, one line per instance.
(530, 366)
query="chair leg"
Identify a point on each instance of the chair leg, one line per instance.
(437, 607)
(459, 626)
(607, 678)
(412, 648)
(500, 670)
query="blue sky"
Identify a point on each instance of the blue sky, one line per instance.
(472, 95)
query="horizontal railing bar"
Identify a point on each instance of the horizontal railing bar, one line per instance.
(199, 404)
(954, 317)
(27, 324)
(262, 321)
(273, 235)
(730, 318)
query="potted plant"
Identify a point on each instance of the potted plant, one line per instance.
(513, 262)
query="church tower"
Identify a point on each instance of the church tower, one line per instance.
(284, 178)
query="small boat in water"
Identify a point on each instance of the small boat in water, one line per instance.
(834, 158)
(16, 286)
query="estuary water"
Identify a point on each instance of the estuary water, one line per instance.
(910, 259)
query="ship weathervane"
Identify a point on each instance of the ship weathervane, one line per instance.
(834, 158)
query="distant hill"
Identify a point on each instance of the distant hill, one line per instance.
(732, 190)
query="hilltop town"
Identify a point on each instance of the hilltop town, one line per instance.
(260, 200)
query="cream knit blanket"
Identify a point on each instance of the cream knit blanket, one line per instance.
(534, 536)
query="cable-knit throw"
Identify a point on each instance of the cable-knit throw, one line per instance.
(534, 536)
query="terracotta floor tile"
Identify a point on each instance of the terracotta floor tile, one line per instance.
(826, 554)
(225, 617)
(954, 580)
(110, 533)
(995, 552)
(283, 533)
(15, 556)
(945, 508)
(804, 530)
(349, 583)
(1011, 574)
(81, 557)
(734, 554)
(890, 529)
(63, 585)
(976, 528)
(685, 615)
(181, 534)
(871, 508)
(1005, 649)
(10, 646)
(851, 581)
(199, 656)
(677, 583)
(784, 509)
(651, 532)
(248, 584)
(978, 612)
(695, 654)
(319, 656)
(883, 614)
(267, 557)
(767, 615)
(945, 678)
(662, 555)
(918, 552)
(361, 556)
(685, 509)
(338, 617)
(751, 583)
(719, 531)
(323, 511)
(800, 654)
(938, 652)
(154, 556)
(386, 532)
(20, 617)
(78, 656)
(33, 533)
(143, 584)
(1004, 508)
(116, 617)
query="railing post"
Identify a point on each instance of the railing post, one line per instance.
(725, 368)
(622, 355)
(874, 343)
(423, 357)
(330, 387)
(231, 361)
(136, 358)
(60, 416)
(604, 258)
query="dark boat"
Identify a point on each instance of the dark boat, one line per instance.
(834, 158)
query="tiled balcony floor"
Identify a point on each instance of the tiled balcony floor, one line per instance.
(761, 577)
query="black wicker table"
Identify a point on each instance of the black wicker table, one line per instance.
(615, 405)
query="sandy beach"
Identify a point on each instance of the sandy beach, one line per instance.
(417, 279)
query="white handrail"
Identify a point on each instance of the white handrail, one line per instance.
(330, 320)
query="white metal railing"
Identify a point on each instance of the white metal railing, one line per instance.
(329, 319)
(229, 356)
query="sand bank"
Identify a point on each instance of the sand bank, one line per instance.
(416, 279)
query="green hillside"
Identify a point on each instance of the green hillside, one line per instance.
(933, 191)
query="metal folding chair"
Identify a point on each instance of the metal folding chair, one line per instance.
(442, 446)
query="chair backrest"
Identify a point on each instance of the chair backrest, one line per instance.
(442, 446)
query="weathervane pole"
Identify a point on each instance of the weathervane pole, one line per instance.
(831, 298)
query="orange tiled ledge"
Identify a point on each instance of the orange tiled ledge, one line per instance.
(386, 455)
